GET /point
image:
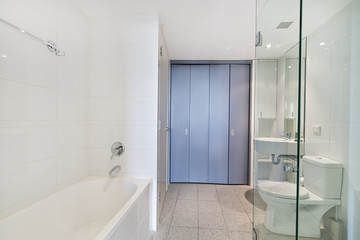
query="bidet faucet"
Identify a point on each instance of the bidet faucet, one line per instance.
(114, 170)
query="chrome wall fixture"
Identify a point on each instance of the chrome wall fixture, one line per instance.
(49, 44)
(117, 149)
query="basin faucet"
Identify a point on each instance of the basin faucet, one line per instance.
(114, 170)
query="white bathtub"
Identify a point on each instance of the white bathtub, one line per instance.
(94, 208)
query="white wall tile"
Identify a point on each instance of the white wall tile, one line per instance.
(138, 56)
(320, 143)
(41, 142)
(105, 57)
(25, 18)
(105, 31)
(72, 107)
(103, 135)
(354, 142)
(319, 57)
(139, 108)
(140, 161)
(12, 66)
(340, 53)
(138, 29)
(355, 111)
(318, 86)
(339, 110)
(40, 104)
(105, 108)
(24, 102)
(42, 71)
(22, 182)
(337, 100)
(71, 166)
(99, 159)
(73, 33)
(105, 84)
(139, 135)
(354, 76)
(318, 111)
(123, 89)
(22, 145)
(10, 139)
(71, 137)
(38, 67)
(339, 140)
(72, 79)
(138, 83)
(39, 94)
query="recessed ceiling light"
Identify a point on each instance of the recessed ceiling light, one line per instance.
(268, 45)
(3, 55)
(322, 44)
(21, 30)
(289, 66)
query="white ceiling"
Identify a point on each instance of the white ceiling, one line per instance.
(271, 13)
(222, 29)
(193, 29)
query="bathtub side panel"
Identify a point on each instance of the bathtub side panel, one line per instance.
(129, 225)
(144, 221)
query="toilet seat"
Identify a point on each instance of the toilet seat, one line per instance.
(284, 190)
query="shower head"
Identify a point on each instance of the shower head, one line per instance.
(53, 48)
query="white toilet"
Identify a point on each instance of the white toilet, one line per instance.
(321, 191)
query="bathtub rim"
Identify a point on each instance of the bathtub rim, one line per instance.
(140, 183)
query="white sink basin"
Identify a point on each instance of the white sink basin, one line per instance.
(277, 146)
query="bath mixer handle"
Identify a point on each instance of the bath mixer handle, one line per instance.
(117, 149)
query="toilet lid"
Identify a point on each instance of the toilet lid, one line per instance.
(282, 189)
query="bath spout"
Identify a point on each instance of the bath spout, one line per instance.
(114, 170)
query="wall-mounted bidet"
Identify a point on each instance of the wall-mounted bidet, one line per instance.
(321, 191)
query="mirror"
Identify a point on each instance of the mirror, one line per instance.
(291, 61)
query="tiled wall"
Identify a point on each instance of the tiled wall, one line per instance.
(43, 100)
(123, 94)
(332, 102)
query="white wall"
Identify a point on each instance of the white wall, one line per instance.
(332, 101)
(124, 95)
(43, 100)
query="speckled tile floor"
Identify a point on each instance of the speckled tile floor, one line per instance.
(214, 212)
(206, 212)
